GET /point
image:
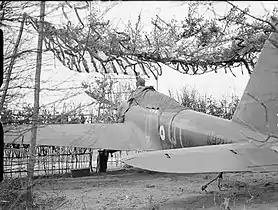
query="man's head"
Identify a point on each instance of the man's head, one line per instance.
(140, 81)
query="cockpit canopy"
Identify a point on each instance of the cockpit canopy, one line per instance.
(148, 97)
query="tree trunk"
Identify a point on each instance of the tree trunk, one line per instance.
(1, 127)
(1, 56)
(1, 153)
(32, 156)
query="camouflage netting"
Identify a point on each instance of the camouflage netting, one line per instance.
(194, 45)
(148, 97)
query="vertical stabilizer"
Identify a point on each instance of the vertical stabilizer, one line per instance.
(258, 107)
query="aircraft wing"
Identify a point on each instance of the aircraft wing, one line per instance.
(206, 159)
(116, 136)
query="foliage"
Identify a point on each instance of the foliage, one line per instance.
(188, 97)
(24, 116)
(108, 92)
(195, 45)
(224, 107)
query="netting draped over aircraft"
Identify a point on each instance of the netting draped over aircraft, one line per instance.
(148, 97)
(96, 52)
(100, 48)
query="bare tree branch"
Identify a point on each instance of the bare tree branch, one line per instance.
(256, 18)
(6, 86)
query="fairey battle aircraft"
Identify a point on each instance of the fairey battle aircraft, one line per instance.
(154, 121)
(249, 142)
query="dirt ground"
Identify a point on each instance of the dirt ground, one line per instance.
(137, 189)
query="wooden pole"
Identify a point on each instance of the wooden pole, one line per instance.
(32, 156)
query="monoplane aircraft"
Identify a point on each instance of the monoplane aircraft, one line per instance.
(249, 142)
(154, 121)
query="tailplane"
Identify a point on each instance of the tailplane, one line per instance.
(258, 107)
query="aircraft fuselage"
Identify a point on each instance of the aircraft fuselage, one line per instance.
(186, 128)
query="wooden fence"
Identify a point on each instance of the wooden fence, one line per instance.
(51, 160)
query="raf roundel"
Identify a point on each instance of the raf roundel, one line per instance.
(162, 132)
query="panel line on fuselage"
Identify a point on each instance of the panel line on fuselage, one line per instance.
(147, 127)
(170, 132)
(172, 138)
(181, 137)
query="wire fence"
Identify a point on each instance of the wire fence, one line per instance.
(53, 160)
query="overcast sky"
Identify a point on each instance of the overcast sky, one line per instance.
(211, 83)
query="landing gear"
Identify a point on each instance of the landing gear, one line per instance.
(219, 177)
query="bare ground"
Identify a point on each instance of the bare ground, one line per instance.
(136, 189)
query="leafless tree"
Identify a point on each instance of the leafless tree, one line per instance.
(32, 156)
(16, 39)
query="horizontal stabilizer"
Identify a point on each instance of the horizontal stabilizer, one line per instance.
(206, 159)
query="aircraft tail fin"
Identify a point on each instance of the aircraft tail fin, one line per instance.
(258, 107)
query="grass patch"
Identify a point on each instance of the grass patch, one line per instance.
(13, 195)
